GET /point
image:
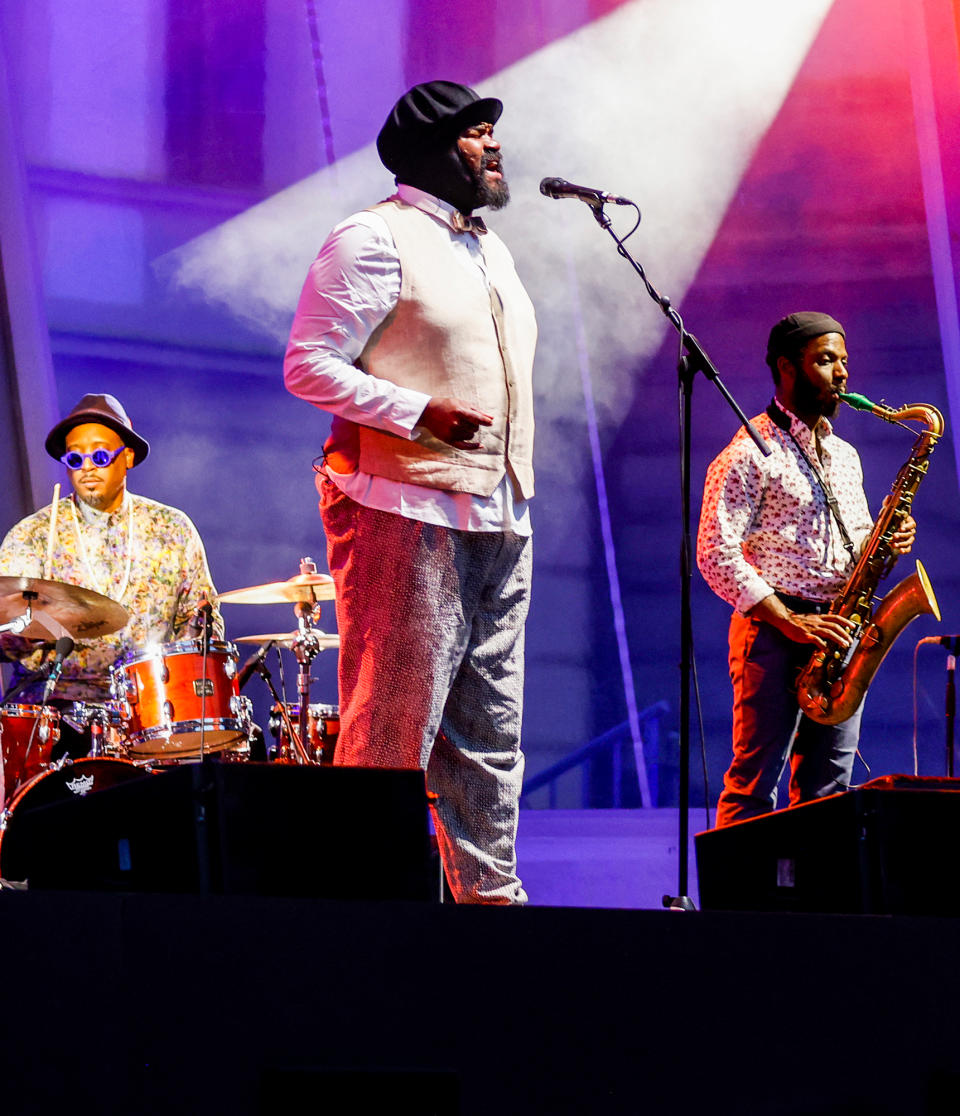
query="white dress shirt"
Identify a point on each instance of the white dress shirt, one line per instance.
(351, 287)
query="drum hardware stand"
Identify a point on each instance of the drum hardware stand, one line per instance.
(20, 623)
(204, 616)
(305, 650)
(692, 359)
(300, 754)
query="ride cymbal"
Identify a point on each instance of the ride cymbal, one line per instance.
(286, 640)
(84, 613)
(304, 588)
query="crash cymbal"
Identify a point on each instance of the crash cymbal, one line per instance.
(84, 613)
(304, 588)
(287, 639)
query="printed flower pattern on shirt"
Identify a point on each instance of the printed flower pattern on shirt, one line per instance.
(765, 523)
(168, 578)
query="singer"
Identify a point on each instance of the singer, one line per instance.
(778, 538)
(414, 330)
(143, 554)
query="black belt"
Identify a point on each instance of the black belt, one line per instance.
(801, 604)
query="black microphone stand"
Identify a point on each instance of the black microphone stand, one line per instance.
(950, 710)
(693, 360)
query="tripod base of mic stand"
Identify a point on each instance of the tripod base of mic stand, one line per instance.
(678, 903)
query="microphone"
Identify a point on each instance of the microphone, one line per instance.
(951, 642)
(560, 188)
(253, 664)
(64, 646)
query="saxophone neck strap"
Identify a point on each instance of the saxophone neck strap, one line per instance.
(778, 418)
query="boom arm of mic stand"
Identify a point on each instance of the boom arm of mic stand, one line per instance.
(261, 669)
(697, 359)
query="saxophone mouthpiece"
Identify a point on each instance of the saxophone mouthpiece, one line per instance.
(857, 402)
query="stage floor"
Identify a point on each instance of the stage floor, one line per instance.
(603, 858)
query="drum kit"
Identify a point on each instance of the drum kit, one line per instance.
(173, 703)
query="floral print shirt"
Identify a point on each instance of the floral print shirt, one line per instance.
(146, 556)
(765, 523)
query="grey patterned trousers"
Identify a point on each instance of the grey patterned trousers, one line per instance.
(431, 675)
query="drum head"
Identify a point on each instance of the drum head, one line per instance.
(73, 779)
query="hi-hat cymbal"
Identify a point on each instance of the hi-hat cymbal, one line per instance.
(287, 639)
(84, 613)
(304, 588)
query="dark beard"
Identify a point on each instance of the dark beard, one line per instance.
(809, 400)
(445, 173)
(97, 502)
(494, 195)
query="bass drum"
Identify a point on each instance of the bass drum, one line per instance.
(59, 784)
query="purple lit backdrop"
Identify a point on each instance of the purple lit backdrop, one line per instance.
(146, 124)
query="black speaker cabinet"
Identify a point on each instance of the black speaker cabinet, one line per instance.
(890, 847)
(252, 828)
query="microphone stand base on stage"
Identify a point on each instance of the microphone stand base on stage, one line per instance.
(692, 361)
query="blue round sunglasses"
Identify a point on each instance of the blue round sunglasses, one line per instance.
(100, 458)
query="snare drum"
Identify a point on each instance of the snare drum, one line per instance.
(174, 701)
(323, 728)
(58, 784)
(18, 724)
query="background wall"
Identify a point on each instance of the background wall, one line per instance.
(182, 160)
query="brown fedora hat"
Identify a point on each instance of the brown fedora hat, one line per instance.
(105, 410)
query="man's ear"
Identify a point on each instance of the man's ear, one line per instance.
(128, 456)
(786, 370)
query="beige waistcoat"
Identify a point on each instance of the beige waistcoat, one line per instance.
(448, 336)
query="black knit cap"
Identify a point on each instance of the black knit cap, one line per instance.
(428, 116)
(791, 333)
(105, 410)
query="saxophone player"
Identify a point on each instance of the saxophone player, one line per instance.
(778, 537)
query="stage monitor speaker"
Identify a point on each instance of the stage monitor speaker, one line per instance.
(889, 847)
(252, 828)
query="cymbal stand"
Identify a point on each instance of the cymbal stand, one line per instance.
(20, 623)
(305, 649)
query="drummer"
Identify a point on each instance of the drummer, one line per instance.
(146, 556)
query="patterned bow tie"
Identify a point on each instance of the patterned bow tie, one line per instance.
(464, 224)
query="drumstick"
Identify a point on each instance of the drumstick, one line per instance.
(48, 565)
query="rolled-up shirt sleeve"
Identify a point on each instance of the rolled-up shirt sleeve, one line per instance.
(352, 286)
(731, 498)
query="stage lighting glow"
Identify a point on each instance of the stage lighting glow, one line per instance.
(662, 101)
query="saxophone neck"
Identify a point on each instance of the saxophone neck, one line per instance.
(924, 413)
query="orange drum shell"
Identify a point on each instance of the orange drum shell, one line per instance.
(16, 726)
(323, 729)
(164, 692)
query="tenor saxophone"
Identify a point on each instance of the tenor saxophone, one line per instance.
(834, 681)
